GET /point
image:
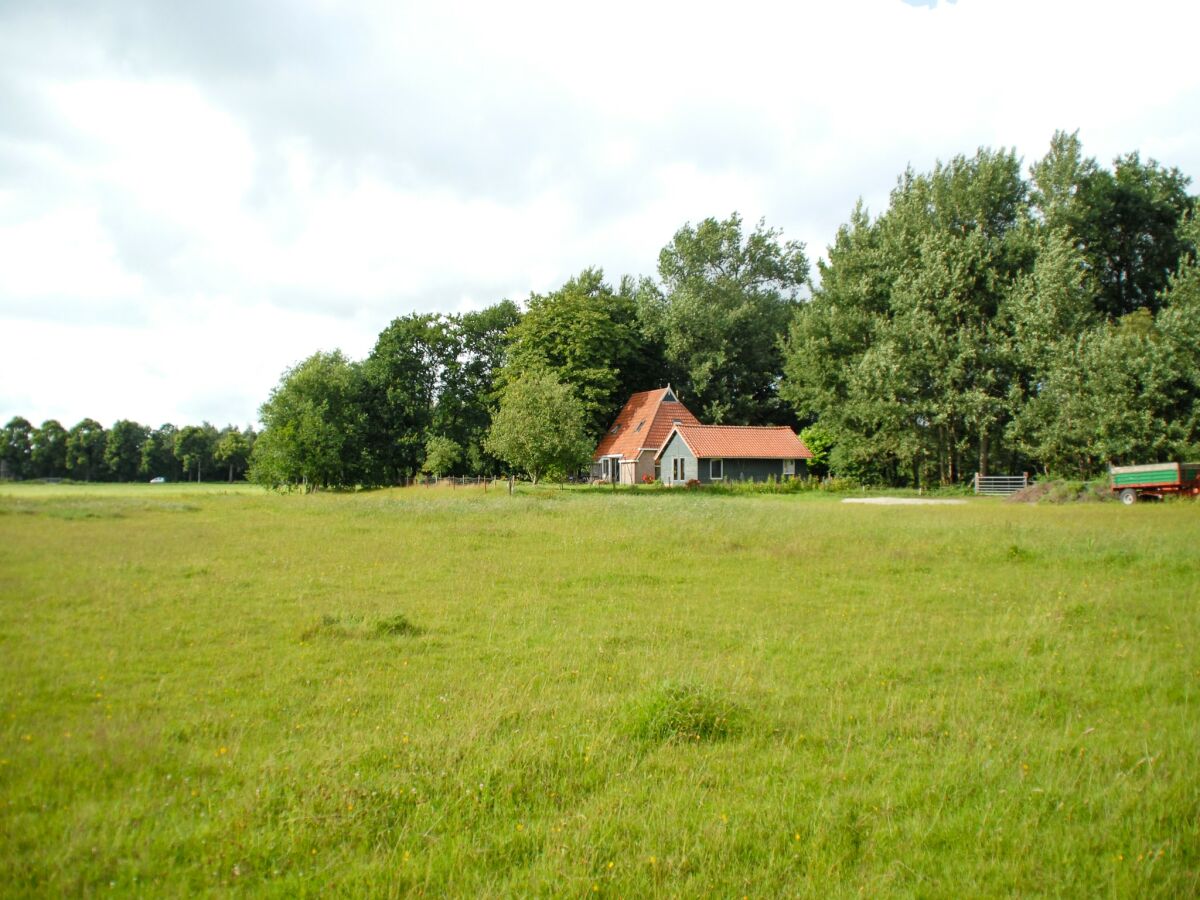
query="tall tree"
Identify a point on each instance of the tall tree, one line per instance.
(400, 386)
(540, 427)
(588, 336)
(442, 455)
(194, 446)
(233, 450)
(313, 425)
(467, 392)
(1128, 222)
(49, 450)
(123, 449)
(16, 448)
(902, 351)
(724, 306)
(86, 443)
(158, 454)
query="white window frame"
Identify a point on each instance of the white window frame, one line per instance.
(789, 468)
(719, 474)
(678, 468)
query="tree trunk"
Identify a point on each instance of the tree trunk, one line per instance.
(231, 473)
(983, 452)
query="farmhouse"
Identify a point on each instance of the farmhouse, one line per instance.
(657, 437)
(708, 453)
(627, 450)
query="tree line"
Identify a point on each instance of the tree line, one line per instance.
(506, 389)
(989, 319)
(986, 320)
(126, 452)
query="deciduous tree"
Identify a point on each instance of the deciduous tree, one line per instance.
(724, 305)
(16, 448)
(313, 424)
(540, 427)
(86, 443)
(123, 449)
(49, 450)
(588, 336)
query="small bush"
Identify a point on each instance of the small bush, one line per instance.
(684, 712)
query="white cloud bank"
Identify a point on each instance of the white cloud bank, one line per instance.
(187, 206)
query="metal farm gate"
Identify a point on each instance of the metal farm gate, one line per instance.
(1000, 485)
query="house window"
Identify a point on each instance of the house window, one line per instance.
(716, 469)
(639, 426)
(789, 468)
(658, 471)
(614, 429)
(678, 470)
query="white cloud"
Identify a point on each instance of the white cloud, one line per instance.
(190, 203)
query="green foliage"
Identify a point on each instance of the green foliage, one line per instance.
(16, 448)
(588, 336)
(431, 374)
(123, 449)
(86, 443)
(194, 446)
(158, 454)
(725, 303)
(233, 450)
(400, 381)
(539, 428)
(442, 455)
(48, 453)
(313, 425)
(820, 442)
(976, 320)
(900, 354)
(1120, 393)
(469, 384)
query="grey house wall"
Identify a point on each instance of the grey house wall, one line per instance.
(676, 448)
(733, 469)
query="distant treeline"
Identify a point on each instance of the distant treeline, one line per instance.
(989, 319)
(126, 452)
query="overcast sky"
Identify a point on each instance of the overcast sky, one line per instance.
(194, 196)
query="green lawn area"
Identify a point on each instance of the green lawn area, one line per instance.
(643, 693)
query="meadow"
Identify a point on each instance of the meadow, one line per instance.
(434, 692)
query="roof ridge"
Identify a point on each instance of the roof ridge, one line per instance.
(775, 427)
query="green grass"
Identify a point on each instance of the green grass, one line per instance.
(646, 693)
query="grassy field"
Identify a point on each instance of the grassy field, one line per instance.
(577, 693)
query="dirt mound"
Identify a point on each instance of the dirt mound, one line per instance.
(1031, 494)
(1062, 492)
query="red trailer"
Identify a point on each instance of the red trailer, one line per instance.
(1133, 483)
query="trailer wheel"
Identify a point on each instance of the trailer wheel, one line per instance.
(1129, 496)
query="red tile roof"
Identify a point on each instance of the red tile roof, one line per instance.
(643, 424)
(742, 442)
